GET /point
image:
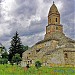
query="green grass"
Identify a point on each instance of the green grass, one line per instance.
(17, 70)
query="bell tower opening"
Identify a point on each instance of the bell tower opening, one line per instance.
(56, 19)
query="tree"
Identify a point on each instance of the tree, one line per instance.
(2, 49)
(37, 64)
(16, 46)
(16, 58)
(3, 60)
(5, 55)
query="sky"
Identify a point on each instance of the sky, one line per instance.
(29, 18)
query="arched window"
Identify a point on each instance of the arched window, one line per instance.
(66, 55)
(56, 19)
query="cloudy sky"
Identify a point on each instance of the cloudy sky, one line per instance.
(29, 18)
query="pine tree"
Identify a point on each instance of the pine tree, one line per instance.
(16, 46)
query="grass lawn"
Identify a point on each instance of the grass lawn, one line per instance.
(17, 70)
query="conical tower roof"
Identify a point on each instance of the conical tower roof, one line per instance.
(53, 9)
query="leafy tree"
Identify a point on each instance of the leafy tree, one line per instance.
(2, 49)
(16, 58)
(37, 64)
(16, 46)
(5, 55)
(3, 60)
(0, 60)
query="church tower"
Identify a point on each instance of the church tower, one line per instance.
(53, 21)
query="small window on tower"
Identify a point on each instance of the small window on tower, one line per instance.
(56, 28)
(56, 19)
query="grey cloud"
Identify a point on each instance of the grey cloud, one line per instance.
(68, 7)
(27, 8)
(20, 1)
(34, 28)
(31, 40)
(67, 18)
(1, 1)
(4, 38)
(48, 1)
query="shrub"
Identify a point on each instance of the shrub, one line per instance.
(3, 60)
(37, 64)
(27, 65)
(16, 58)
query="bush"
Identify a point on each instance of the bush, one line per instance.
(3, 60)
(37, 64)
(16, 58)
(27, 66)
(0, 61)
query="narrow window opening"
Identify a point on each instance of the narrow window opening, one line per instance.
(66, 56)
(56, 19)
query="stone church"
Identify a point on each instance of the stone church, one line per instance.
(55, 49)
